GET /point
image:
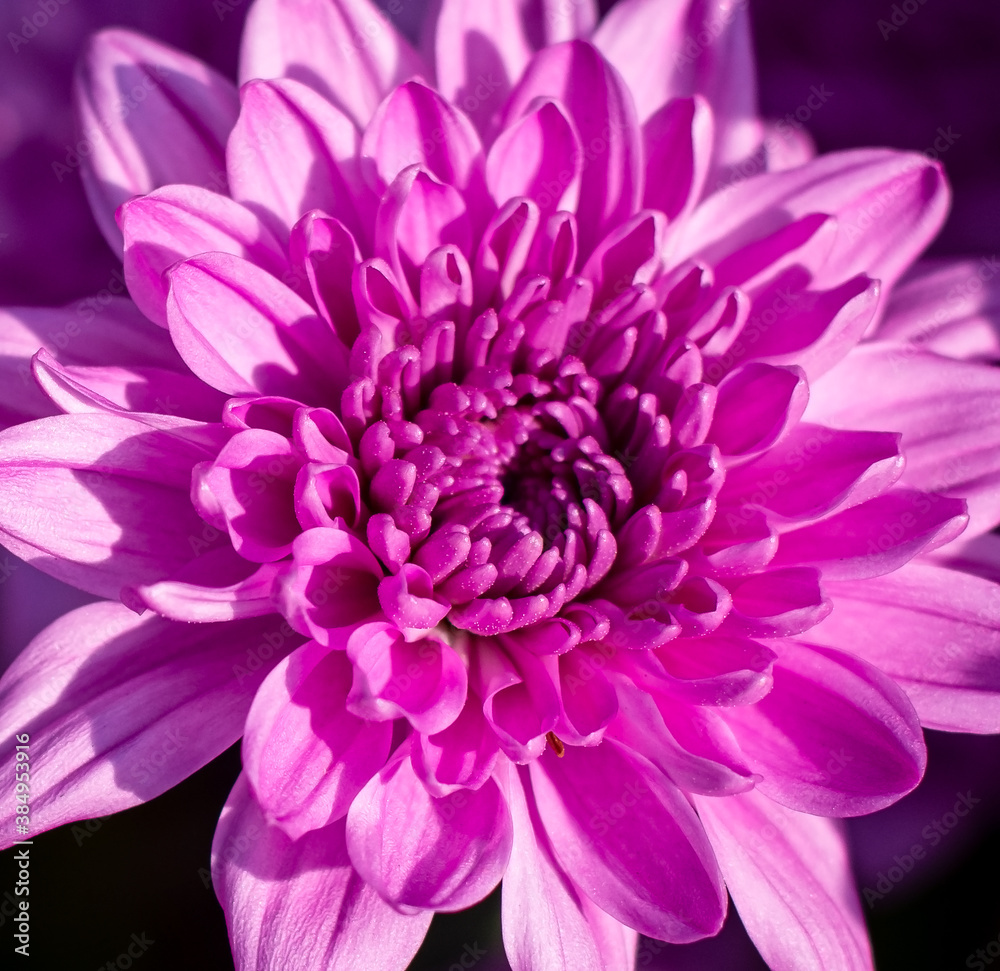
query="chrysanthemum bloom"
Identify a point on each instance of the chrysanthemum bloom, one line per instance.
(540, 498)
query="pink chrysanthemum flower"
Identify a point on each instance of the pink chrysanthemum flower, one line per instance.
(540, 498)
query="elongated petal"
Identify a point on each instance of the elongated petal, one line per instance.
(181, 221)
(305, 755)
(950, 307)
(578, 77)
(292, 151)
(835, 736)
(935, 631)
(420, 851)
(324, 42)
(302, 904)
(120, 707)
(888, 206)
(100, 500)
(790, 877)
(946, 410)
(150, 116)
(243, 332)
(553, 21)
(631, 841)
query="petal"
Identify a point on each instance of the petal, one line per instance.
(151, 116)
(631, 841)
(243, 332)
(576, 75)
(671, 50)
(835, 737)
(790, 878)
(301, 904)
(888, 206)
(101, 500)
(553, 21)
(322, 42)
(181, 221)
(950, 307)
(419, 851)
(121, 708)
(305, 755)
(946, 410)
(292, 151)
(543, 922)
(935, 631)
(678, 142)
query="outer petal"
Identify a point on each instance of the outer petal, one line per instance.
(101, 500)
(120, 708)
(835, 736)
(935, 631)
(888, 206)
(553, 21)
(631, 841)
(323, 42)
(419, 851)
(243, 332)
(950, 307)
(790, 878)
(948, 412)
(151, 116)
(180, 221)
(301, 904)
(305, 755)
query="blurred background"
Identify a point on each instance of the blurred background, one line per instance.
(905, 75)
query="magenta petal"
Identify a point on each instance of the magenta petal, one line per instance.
(181, 221)
(553, 21)
(462, 756)
(790, 877)
(305, 755)
(101, 500)
(945, 409)
(631, 841)
(151, 116)
(876, 537)
(301, 904)
(778, 602)
(935, 631)
(544, 925)
(595, 97)
(408, 601)
(120, 708)
(280, 346)
(419, 851)
(322, 42)
(292, 151)
(835, 737)
(678, 142)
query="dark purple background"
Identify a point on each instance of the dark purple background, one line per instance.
(141, 871)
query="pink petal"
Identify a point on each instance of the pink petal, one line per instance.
(101, 500)
(480, 52)
(888, 206)
(935, 631)
(950, 307)
(539, 156)
(292, 151)
(151, 116)
(553, 21)
(835, 737)
(710, 54)
(305, 755)
(597, 101)
(301, 904)
(631, 841)
(876, 537)
(945, 409)
(544, 925)
(279, 347)
(790, 877)
(121, 708)
(181, 221)
(419, 851)
(678, 141)
(322, 42)
(460, 757)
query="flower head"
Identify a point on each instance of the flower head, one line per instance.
(541, 498)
